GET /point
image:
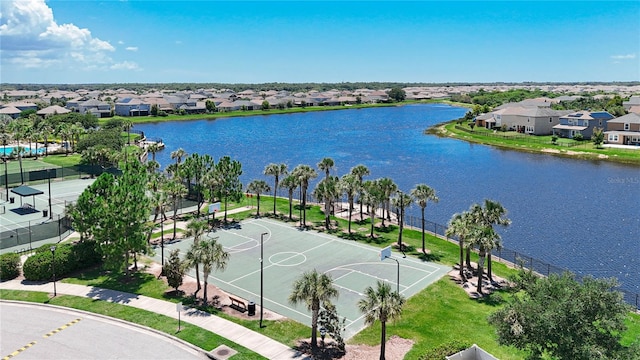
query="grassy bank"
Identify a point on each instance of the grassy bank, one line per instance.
(511, 140)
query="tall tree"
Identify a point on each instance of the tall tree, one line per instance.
(211, 255)
(290, 183)
(327, 191)
(350, 186)
(493, 213)
(381, 304)
(199, 166)
(175, 192)
(304, 173)
(258, 187)
(372, 197)
(196, 229)
(230, 187)
(313, 289)
(388, 187)
(461, 225)
(326, 165)
(486, 239)
(402, 201)
(422, 194)
(275, 170)
(360, 171)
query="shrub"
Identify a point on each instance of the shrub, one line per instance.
(554, 138)
(9, 266)
(442, 351)
(69, 257)
(578, 137)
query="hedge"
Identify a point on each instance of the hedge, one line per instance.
(68, 258)
(9, 266)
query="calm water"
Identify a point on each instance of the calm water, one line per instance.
(576, 214)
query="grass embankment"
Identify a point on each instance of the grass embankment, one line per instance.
(192, 334)
(512, 140)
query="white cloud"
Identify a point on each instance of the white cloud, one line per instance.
(624, 57)
(31, 37)
(131, 48)
(125, 65)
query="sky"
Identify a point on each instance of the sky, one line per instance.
(145, 41)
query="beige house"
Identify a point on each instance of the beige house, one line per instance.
(624, 130)
(524, 119)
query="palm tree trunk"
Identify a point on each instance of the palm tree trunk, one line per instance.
(197, 281)
(314, 327)
(423, 249)
(468, 259)
(258, 208)
(373, 220)
(349, 218)
(205, 289)
(290, 206)
(489, 274)
(383, 339)
(481, 257)
(461, 263)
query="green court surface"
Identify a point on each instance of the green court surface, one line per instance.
(288, 252)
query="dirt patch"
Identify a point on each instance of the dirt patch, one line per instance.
(471, 283)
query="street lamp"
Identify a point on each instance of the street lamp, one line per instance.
(53, 268)
(5, 160)
(261, 275)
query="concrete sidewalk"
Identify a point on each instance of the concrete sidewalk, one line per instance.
(257, 342)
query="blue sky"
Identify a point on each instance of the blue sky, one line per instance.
(62, 41)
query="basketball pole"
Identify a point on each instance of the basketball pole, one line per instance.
(261, 276)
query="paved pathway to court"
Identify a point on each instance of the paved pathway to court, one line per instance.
(257, 342)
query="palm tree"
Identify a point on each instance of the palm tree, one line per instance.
(178, 155)
(461, 225)
(290, 183)
(304, 173)
(258, 187)
(360, 171)
(175, 191)
(195, 228)
(46, 130)
(275, 170)
(423, 193)
(127, 124)
(18, 128)
(313, 288)
(64, 131)
(388, 187)
(153, 149)
(493, 213)
(350, 186)
(381, 304)
(401, 202)
(326, 165)
(327, 191)
(211, 255)
(486, 239)
(372, 197)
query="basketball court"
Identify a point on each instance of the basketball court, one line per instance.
(288, 252)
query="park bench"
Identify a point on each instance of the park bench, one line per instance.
(237, 304)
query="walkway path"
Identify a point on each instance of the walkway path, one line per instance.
(257, 342)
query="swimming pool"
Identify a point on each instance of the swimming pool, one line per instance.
(6, 150)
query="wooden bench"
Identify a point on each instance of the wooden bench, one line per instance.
(238, 304)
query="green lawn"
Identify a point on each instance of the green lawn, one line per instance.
(585, 149)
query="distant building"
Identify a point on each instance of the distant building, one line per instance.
(581, 122)
(624, 130)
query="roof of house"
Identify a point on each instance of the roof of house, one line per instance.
(9, 110)
(53, 109)
(587, 115)
(631, 118)
(569, 127)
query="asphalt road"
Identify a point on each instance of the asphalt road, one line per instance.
(44, 332)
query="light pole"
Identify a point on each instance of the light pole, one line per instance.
(261, 275)
(53, 268)
(5, 160)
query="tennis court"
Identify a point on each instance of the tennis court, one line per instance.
(288, 252)
(23, 213)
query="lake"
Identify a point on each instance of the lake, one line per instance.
(582, 215)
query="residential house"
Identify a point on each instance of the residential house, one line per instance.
(53, 110)
(624, 130)
(132, 107)
(633, 101)
(23, 105)
(532, 120)
(11, 111)
(581, 122)
(96, 107)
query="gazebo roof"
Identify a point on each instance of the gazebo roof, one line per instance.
(24, 190)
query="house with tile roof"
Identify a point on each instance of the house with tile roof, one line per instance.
(623, 130)
(132, 107)
(581, 122)
(96, 107)
(53, 110)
